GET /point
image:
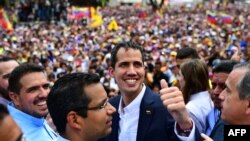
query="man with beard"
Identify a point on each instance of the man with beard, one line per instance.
(6, 67)
(220, 74)
(29, 88)
(143, 115)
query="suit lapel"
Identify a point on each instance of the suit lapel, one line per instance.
(115, 121)
(146, 114)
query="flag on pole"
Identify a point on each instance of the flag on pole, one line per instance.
(95, 17)
(4, 20)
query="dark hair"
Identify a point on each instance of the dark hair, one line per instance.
(225, 66)
(243, 86)
(3, 111)
(19, 72)
(126, 46)
(195, 73)
(67, 94)
(5, 59)
(187, 52)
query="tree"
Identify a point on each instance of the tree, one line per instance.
(156, 4)
(85, 2)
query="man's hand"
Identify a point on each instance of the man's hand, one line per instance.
(205, 137)
(172, 99)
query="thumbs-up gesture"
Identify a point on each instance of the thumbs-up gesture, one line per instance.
(172, 99)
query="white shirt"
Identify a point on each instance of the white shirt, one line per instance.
(199, 106)
(129, 118)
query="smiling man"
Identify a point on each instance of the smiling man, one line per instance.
(29, 88)
(141, 115)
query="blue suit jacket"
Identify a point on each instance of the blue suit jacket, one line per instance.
(217, 133)
(155, 122)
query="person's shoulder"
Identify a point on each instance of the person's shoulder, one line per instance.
(151, 95)
(115, 100)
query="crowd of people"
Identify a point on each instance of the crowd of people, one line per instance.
(173, 70)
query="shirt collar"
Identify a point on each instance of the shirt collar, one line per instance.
(135, 104)
(16, 113)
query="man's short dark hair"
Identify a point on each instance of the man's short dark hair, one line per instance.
(67, 95)
(5, 59)
(187, 52)
(244, 86)
(19, 72)
(225, 66)
(126, 46)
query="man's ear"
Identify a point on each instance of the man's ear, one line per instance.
(73, 120)
(111, 71)
(15, 98)
(248, 107)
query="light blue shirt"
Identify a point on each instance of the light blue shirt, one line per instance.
(4, 101)
(60, 138)
(212, 118)
(34, 129)
(199, 106)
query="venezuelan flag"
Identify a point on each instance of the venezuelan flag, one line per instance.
(226, 18)
(211, 17)
(80, 12)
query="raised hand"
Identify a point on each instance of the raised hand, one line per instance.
(172, 99)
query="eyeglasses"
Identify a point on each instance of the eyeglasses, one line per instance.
(99, 107)
(93, 108)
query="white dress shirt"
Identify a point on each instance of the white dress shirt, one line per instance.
(129, 117)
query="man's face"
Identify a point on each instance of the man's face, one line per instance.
(218, 83)
(9, 130)
(99, 121)
(5, 70)
(33, 94)
(233, 109)
(129, 71)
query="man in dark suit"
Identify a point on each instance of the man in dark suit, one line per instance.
(235, 109)
(141, 114)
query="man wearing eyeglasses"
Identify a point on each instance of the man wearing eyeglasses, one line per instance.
(79, 107)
